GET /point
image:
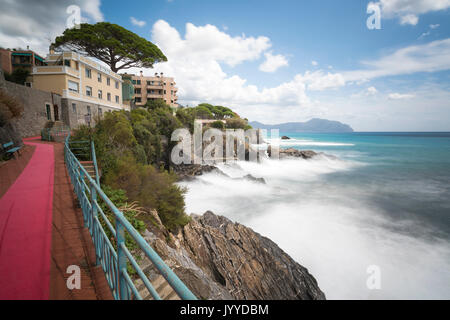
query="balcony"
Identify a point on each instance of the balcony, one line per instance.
(56, 69)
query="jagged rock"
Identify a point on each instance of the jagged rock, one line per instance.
(249, 177)
(188, 171)
(285, 138)
(291, 152)
(219, 259)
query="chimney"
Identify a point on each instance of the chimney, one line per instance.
(51, 50)
(162, 74)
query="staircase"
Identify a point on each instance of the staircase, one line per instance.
(90, 168)
(162, 287)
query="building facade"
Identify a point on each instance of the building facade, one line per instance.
(88, 89)
(153, 88)
(24, 59)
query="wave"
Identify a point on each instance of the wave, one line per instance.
(301, 142)
(329, 226)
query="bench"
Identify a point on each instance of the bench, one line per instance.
(12, 150)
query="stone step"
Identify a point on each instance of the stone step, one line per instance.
(162, 287)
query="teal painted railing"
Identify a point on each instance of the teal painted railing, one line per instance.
(114, 261)
(55, 134)
(94, 161)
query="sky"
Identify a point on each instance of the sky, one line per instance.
(281, 61)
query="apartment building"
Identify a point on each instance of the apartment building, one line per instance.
(11, 60)
(88, 89)
(152, 88)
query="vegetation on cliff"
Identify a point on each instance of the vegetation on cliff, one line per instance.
(133, 150)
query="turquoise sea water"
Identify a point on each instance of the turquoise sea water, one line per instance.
(373, 199)
(407, 175)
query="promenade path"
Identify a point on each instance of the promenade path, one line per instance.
(41, 230)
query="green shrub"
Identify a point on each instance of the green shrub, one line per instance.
(218, 125)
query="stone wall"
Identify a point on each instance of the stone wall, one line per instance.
(35, 104)
(74, 112)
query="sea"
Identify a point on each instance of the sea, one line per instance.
(369, 217)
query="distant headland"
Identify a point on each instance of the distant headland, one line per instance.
(313, 125)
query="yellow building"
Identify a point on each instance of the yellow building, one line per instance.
(87, 88)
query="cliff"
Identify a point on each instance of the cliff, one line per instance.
(313, 125)
(219, 259)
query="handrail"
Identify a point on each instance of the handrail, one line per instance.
(94, 160)
(114, 261)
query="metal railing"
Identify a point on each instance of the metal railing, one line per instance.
(114, 260)
(58, 134)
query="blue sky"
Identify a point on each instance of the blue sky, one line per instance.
(293, 60)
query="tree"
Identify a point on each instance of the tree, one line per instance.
(155, 104)
(112, 44)
(18, 76)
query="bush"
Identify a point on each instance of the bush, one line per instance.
(218, 125)
(236, 123)
(129, 148)
(18, 76)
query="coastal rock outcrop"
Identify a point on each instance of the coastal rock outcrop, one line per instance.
(189, 171)
(219, 259)
(291, 152)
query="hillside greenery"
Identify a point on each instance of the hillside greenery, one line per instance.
(133, 150)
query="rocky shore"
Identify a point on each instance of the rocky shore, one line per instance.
(219, 259)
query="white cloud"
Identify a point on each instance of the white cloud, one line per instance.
(409, 10)
(399, 96)
(36, 23)
(434, 26)
(314, 63)
(136, 22)
(273, 62)
(429, 57)
(411, 19)
(372, 91)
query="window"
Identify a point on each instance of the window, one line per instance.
(108, 81)
(137, 100)
(117, 84)
(100, 94)
(28, 84)
(88, 73)
(99, 77)
(149, 83)
(89, 91)
(117, 99)
(138, 82)
(108, 96)
(134, 81)
(88, 110)
(74, 108)
(137, 91)
(49, 112)
(73, 86)
(67, 63)
(100, 112)
(164, 91)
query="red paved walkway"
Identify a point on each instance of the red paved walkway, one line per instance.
(26, 229)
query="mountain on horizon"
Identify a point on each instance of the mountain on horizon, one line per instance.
(313, 125)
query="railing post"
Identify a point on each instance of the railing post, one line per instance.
(94, 226)
(121, 260)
